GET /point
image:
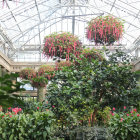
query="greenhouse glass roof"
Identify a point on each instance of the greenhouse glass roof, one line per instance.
(25, 23)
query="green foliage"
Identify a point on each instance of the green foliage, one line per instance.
(26, 126)
(125, 125)
(7, 88)
(103, 116)
(84, 88)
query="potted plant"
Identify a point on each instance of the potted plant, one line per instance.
(61, 45)
(61, 64)
(105, 30)
(44, 73)
(27, 73)
(92, 54)
(39, 79)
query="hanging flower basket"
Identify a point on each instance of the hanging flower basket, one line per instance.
(92, 54)
(46, 71)
(105, 30)
(61, 64)
(61, 45)
(39, 81)
(27, 73)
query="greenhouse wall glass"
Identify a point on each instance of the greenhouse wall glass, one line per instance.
(70, 69)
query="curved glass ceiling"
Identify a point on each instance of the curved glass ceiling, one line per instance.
(25, 23)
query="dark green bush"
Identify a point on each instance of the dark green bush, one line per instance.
(36, 126)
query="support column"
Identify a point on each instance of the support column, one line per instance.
(41, 91)
(0, 71)
(4, 71)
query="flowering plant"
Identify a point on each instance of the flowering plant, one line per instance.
(105, 30)
(92, 54)
(27, 73)
(37, 125)
(47, 71)
(10, 112)
(61, 45)
(61, 64)
(125, 125)
(44, 73)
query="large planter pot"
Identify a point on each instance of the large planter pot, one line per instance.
(105, 30)
(41, 91)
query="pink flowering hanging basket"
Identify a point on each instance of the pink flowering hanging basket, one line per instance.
(46, 71)
(61, 45)
(61, 64)
(27, 73)
(105, 30)
(92, 54)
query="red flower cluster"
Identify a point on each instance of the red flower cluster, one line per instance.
(16, 110)
(133, 112)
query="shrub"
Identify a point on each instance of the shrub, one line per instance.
(7, 88)
(80, 91)
(26, 126)
(125, 125)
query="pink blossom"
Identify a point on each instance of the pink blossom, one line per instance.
(124, 107)
(53, 106)
(114, 108)
(121, 119)
(9, 108)
(10, 116)
(127, 114)
(19, 109)
(37, 107)
(138, 115)
(112, 114)
(15, 110)
(135, 109)
(131, 112)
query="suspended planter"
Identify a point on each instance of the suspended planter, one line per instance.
(61, 64)
(45, 73)
(27, 73)
(91, 54)
(61, 45)
(105, 30)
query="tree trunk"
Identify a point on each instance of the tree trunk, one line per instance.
(41, 91)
